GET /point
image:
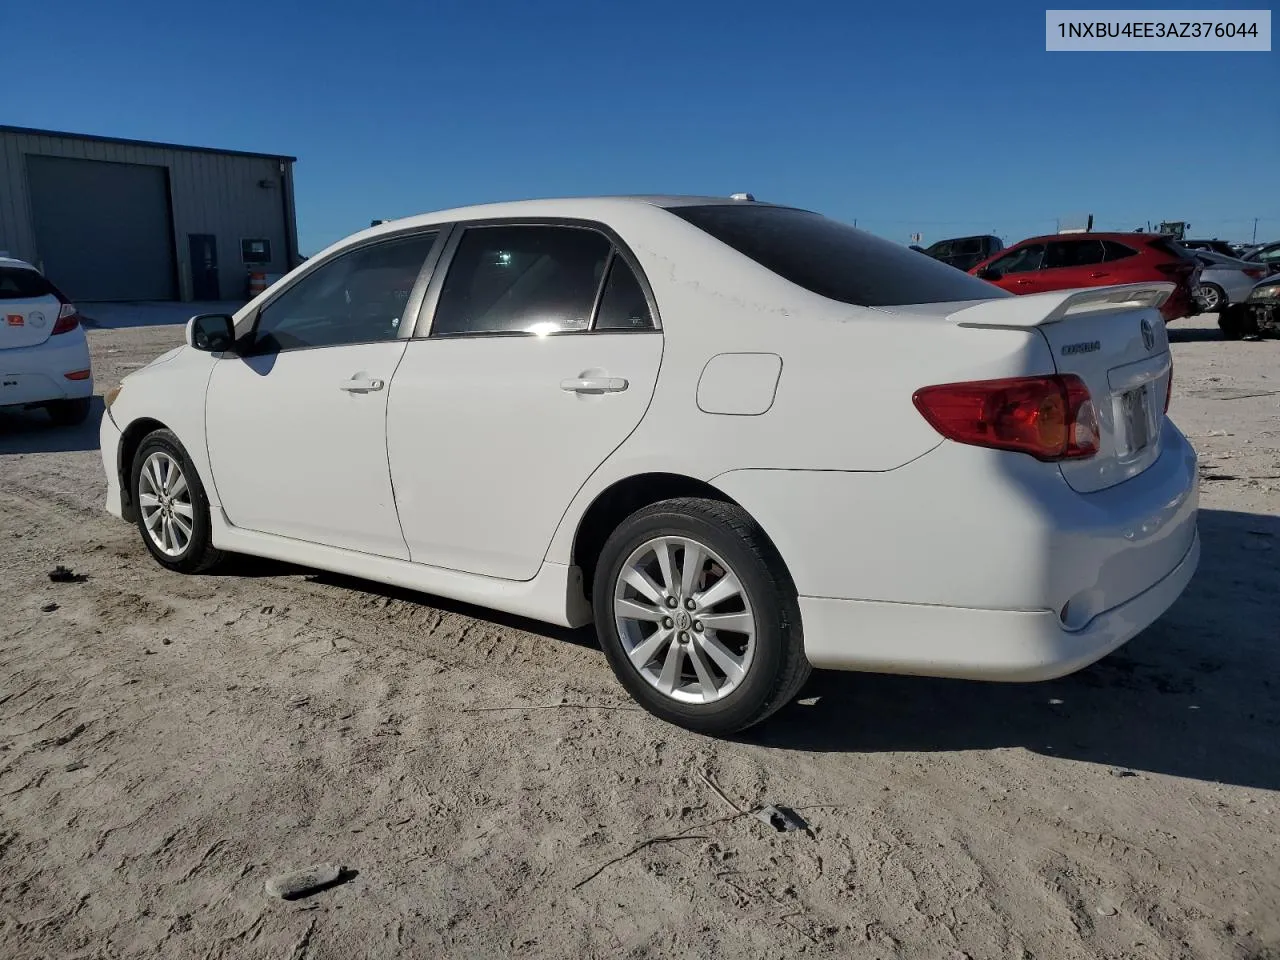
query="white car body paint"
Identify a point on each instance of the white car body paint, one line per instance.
(910, 553)
(34, 361)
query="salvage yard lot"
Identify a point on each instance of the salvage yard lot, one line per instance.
(168, 743)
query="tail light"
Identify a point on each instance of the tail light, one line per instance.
(1051, 418)
(1254, 273)
(1178, 268)
(68, 319)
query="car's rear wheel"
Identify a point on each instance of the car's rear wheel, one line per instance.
(698, 617)
(69, 413)
(173, 511)
(1210, 297)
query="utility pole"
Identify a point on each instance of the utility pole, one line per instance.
(1255, 229)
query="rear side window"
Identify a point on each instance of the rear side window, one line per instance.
(1073, 253)
(522, 279)
(832, 259)
(1117, 251)
(17, 283)
(623, 305)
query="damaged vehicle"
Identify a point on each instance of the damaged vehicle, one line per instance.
(1256, 316)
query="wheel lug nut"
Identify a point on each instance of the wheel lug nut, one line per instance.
(697, 625)
(667, 623)
(684, 637)
(689, 604)
(671, 601)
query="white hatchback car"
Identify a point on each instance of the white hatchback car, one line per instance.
(744, 438)
(44, 356)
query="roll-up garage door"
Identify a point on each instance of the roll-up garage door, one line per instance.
(103, 229)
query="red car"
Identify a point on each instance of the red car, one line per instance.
(1071, 260)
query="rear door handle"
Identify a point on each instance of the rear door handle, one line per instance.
(594, 385)
(1100, 273)
(360, 385)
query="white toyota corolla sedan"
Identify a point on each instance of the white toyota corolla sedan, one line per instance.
(744, 439)
(44, 356)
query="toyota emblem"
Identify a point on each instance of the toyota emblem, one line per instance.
(1148, 335)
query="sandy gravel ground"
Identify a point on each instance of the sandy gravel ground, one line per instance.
(168, 743)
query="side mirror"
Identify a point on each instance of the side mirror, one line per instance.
(988, 273)
(211, 332)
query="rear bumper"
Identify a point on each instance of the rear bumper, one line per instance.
(32, 375)
(977, 563)
(1007, 645)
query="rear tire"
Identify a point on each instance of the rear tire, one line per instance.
(69, 413)
(173, 510)
(715, 650)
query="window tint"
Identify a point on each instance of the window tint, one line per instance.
(518, 279)
(19, 283)
(967, 247)
(1020, 259)
(623, 305)
(1072, 253)
(358, 297)
(1116, 251)
(832, 259)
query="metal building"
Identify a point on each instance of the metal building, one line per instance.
(112, 219)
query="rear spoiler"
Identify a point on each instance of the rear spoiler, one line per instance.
(1037, 309)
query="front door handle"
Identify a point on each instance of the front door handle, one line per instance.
(1022, 283)
(360, 385)
(594, 385)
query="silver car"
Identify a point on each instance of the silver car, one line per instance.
(1224, 280)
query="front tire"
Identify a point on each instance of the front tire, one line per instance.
(173, 511)
(1210, 298)
(698, 617)
(69, 413)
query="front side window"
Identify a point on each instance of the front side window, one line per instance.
(1020, 260)
(357, 297)
(833, 259)
(522, 280)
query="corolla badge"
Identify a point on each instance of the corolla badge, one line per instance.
(1087, 346)
(1148, 335)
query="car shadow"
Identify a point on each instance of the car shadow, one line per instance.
(1196, 695)
(31, 431)
(1193, 334)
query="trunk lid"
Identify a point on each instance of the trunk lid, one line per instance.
(1114, 339)
(29, 307)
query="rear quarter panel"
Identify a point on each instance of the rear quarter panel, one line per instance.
(843, 398)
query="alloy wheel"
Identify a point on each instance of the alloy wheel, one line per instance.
(685, 620)
(165, 501)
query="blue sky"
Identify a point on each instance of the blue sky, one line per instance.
(942, 118)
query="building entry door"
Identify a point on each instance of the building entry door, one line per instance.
(204, 266)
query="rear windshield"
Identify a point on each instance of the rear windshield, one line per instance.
(1171, 249)
(835, 260)
(18, 283)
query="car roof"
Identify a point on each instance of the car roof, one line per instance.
(584, 207)
(17, 264)
(1091, 235)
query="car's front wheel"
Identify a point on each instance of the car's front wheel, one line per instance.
(1210, 298)
(173, 511)
(698, 617)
